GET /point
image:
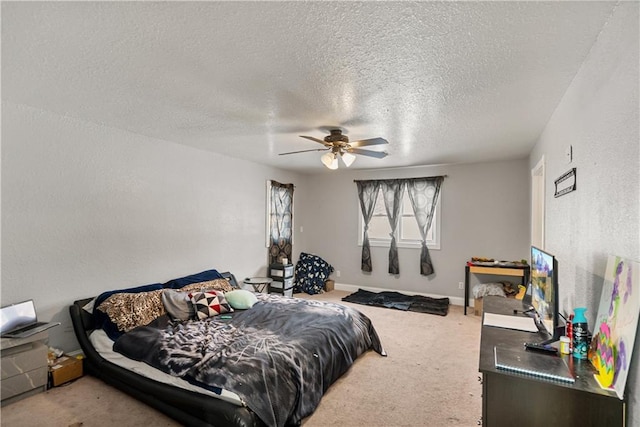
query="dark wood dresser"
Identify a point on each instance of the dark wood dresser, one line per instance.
(510, 399)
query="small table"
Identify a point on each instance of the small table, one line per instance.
(498, 269)
(259, 283)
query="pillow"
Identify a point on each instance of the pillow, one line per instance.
(102, 320)
(214, 285)
(177, 304)
(203, 276)
(209, 304)
(130, 310)
(241, 299)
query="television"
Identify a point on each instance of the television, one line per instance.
(544, 293)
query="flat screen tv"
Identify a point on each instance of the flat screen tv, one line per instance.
(544, 292)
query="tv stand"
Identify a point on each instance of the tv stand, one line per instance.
(510, 399)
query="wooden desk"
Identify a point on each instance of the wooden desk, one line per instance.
(498, 270)
(510, 399)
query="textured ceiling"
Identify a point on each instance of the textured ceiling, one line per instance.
(443, 82)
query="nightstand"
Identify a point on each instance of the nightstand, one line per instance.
(259, 283)
(24, 366)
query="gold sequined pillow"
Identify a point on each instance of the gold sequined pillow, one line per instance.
(210, 285)
(130, 310)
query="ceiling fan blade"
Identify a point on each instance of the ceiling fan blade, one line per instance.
(376, 154)
(302, 151)
(315, 140)
(366, 142)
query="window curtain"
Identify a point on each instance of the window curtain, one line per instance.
(367, 193)
(281, 221)
(423, 193)
(392, 192)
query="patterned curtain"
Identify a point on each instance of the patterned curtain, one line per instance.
(392, 191)
(423, 193)
(367, 193)
(281, 221)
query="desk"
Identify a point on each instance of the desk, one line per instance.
(259, 283)
(515, 270)
(510, 399)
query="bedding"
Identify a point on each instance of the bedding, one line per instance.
(280, 356)
(267, 362)
(104, 345)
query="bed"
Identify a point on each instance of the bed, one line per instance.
(246, 360)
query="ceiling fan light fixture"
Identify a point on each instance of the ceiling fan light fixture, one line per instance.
(330, 160)
(347, 158)
(338, 145)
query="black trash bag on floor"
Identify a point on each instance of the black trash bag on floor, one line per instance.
(310, 274)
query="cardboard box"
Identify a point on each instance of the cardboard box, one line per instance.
(329, 285)
(65, 369)
(477, 306)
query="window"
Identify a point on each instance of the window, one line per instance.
(408, 234)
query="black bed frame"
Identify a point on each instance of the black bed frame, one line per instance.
(187, 407)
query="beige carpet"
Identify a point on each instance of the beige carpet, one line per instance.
(430, 378)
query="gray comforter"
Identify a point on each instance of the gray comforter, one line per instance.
(280, 356)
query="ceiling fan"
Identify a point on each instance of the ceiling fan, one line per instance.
(339, 145)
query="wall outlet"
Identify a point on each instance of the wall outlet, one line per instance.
(337, 273)
(460, 285)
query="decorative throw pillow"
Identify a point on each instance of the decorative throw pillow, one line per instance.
(241, 299)
(209, 304)
(102, 320)
(129, 310)
(215, 285)
(177, 304)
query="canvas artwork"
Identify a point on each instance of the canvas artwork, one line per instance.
(615, 329)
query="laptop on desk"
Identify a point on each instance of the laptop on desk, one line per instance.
(20, 321)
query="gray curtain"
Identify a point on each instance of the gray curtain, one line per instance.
(367, 193)
(392, 192)
(281, 222)
(423, 193)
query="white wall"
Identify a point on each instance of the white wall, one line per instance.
(485, 212)
(598, 116)
(87, 208)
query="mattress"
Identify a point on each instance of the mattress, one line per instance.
(104, 345)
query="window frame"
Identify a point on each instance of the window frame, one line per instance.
(406, 243)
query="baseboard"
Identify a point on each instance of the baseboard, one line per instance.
(354, 288)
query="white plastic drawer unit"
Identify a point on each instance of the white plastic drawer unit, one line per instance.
(284, 287)
(282, 284)
(279, 270)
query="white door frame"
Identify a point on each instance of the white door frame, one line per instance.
(537, 204)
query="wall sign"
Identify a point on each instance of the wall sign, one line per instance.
(566, 183)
